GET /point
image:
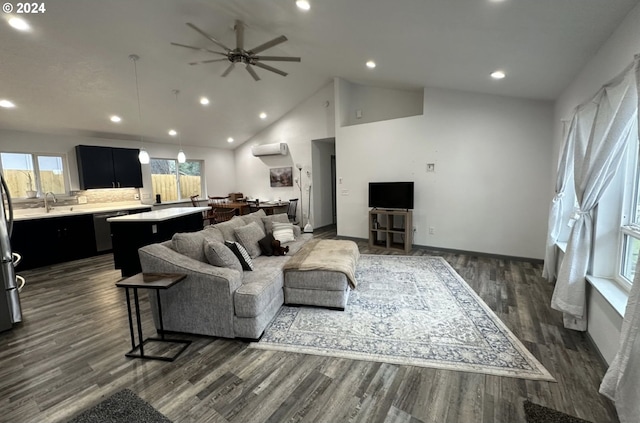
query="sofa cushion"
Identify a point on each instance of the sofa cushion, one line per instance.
(266, 245)
(220, 255)
(241, 253)
(268, 221)
(189, 244)
(211, 233)
(228, 228)
(248, 236)
(257, 291)
(255, 217)
(283, 232)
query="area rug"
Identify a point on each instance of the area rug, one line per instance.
(407, 310)
(535, 413)
(123, 407)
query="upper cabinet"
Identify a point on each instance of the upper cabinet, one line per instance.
(107, 167)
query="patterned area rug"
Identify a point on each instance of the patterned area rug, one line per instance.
(411, 311)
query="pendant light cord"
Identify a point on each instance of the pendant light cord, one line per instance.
(135, 71)
(176, 92)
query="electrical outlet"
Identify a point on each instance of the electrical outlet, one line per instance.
(136, 196)
(432, 230)
(431, 167)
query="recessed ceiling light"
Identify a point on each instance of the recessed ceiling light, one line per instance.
(204, 101)
(19, 24)
(173, 132)
(371, 64)
(303, 4)
(115, 119)
(498, 74)
(263, 115)
(229, 139)
(7, 104)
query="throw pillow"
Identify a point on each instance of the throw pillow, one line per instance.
(249, 236)
(189, 244)
(228, 228)
(219, 255)
(283, 232)
(255, 217)
(265, 245)
(211, 233)
(269, 220)
(241, 253)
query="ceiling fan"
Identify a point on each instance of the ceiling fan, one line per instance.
(240, 55)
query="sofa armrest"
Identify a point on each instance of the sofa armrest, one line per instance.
(202, 303)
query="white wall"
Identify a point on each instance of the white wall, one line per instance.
(312, 119)
(609, 61)
(219, 166)
(376, 103)
(322, 203)
(493, 159)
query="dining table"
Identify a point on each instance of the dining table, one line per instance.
(245, 207)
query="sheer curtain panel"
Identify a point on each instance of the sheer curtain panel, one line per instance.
(601, 133)
(621, 383)
(558, 204)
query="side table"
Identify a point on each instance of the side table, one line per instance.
(155, 281)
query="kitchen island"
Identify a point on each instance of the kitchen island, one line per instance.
(137, 230)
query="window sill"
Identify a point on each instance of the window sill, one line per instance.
(615, 295)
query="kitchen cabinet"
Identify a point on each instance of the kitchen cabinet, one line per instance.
(42, 242)
(108, 167)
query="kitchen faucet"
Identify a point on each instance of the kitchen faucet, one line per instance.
(47, 206)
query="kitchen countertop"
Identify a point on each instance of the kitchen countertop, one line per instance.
(157, 215)
(62, 211)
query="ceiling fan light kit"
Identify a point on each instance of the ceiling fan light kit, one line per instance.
(239, 55)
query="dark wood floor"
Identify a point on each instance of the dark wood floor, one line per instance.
(68, 354)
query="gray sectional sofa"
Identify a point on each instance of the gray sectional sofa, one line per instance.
(220, 299)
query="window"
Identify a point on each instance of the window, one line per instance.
(630, 230)
(176, 181)
(29, 174)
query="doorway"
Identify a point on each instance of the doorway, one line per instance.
(323, 188)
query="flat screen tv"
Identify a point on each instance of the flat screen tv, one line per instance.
(391, 195)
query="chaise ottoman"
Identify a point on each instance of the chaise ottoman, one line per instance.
(321, 274)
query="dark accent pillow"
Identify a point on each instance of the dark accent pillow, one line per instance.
(241, 253)
(265, 245)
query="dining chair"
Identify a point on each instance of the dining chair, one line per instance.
(222, 215)
(291, 211)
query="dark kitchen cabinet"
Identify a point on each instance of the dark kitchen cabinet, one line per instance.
(42, 242)
(107, 167)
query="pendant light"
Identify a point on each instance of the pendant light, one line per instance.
(181, 157)
(143, 156)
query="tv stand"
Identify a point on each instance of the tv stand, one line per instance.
(391, 229)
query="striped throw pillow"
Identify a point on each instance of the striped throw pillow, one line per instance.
(241, 253)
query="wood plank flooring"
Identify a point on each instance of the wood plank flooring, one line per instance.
(68, 354)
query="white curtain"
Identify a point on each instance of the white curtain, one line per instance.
(557, 208)
(621, 383)
(602, 130)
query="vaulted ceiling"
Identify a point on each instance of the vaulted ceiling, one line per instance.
(70, 72)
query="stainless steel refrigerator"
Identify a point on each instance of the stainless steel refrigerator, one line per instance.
(10, 311)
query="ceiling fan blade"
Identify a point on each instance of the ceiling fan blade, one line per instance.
(269, 68)
(207, 61)
(229, 69)
(252, 72)
(269, 44)
(277, 58)
(198, 48)
(207, 36)
(239, 27)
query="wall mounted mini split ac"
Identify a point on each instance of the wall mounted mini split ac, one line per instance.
(277, 149)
